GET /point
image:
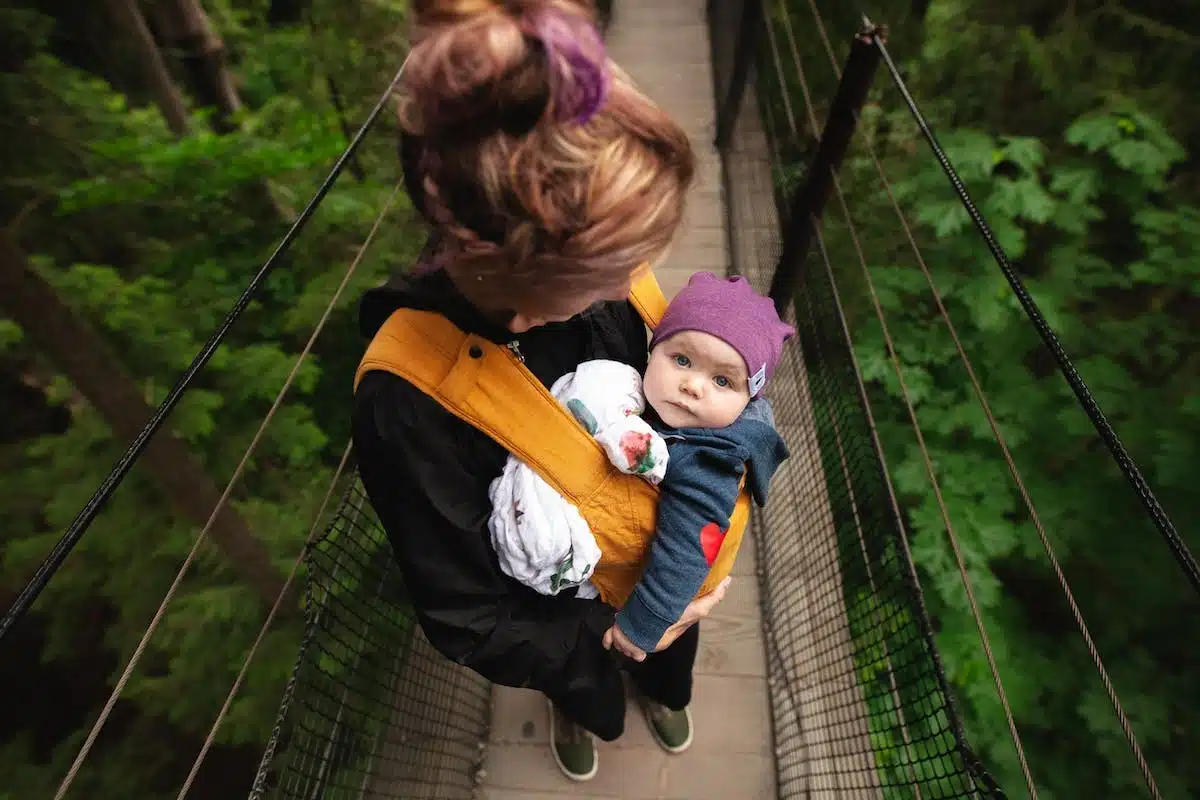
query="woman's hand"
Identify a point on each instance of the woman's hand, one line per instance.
(616, 638)
(696, 611)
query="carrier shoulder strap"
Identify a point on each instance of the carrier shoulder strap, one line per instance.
(486, 386)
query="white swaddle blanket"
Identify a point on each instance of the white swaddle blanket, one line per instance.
(540, 538)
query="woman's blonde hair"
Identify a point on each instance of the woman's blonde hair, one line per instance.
(549, 175)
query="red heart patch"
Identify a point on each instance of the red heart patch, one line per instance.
(711, 538)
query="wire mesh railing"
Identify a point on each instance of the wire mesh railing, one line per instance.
(370, 710)
(862, 707)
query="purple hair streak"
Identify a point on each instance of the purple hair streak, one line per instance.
(579, 77)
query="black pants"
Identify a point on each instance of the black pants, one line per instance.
(665, 678)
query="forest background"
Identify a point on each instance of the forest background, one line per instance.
(155, 152)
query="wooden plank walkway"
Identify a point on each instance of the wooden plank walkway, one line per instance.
(664, 45)
(796, 728)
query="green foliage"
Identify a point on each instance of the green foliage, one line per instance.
(1094, 199)
(1073, 130)
(151, 239)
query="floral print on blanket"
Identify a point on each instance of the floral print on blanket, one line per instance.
(635, 446)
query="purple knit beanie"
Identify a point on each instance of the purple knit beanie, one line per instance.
(731, 310)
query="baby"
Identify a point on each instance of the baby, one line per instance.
(711, 355)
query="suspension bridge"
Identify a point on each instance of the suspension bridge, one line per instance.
(818, 676)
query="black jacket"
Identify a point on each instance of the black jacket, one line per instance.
(427, 475)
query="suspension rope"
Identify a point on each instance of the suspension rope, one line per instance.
(941, 503)
(1108, 434)
(776, 160)
(785, 95)
(858, 524)
(84, 519)
(237, 683)
(927, 460)
(187, 562)
(884, 474)
(1077, 614)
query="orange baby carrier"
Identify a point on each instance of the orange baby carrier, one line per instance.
(485, 385)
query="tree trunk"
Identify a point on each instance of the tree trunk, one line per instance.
(154, 70)
(186, 29)
(92, 368)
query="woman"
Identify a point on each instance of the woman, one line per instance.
(549, 181)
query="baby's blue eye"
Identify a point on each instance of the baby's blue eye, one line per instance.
(683, 361)
(722, 381)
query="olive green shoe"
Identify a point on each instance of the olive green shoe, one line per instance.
(573, 748)
(671, 729)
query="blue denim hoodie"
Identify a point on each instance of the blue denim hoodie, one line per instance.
(700, 488)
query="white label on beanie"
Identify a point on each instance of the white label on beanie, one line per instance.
(757, 380)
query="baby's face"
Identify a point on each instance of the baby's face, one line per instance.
(695, 380)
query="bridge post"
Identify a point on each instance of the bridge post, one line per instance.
(749, 34)
(808, 201)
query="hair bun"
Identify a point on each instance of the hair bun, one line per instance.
(479, 66)
(576, 62)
